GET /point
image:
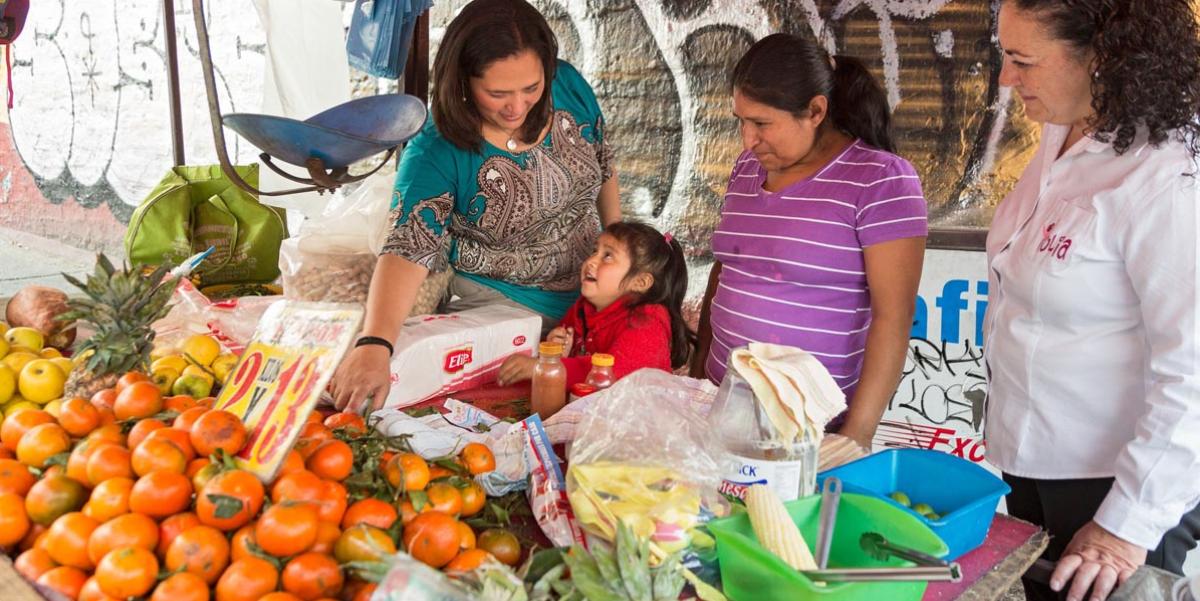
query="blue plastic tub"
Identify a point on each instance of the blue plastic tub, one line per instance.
(963, 494)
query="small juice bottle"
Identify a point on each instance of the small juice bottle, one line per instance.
(601, 375)
(549, 392)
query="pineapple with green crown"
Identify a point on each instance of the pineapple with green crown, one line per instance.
(120, 305)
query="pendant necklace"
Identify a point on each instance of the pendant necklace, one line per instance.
(511, 145)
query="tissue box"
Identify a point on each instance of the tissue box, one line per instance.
(440, 354)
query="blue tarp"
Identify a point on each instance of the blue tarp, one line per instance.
(381, 33)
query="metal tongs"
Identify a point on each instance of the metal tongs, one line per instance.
(928, 568)
(831, 495)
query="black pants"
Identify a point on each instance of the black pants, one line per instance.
(1062, 507)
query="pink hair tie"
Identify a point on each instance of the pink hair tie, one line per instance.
(668, 237)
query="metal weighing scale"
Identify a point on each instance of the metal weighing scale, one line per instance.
(325, 145)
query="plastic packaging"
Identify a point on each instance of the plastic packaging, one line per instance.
(601, 375)
(696, 395)
(547, 491)
(747, 433)
(410, 580)
(231, 321)
(647, 460)
(436, 355)
(332, 257)
(549, 387)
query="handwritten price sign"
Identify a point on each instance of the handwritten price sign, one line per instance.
(280, 377)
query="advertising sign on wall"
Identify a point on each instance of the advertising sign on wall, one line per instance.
(939, 404)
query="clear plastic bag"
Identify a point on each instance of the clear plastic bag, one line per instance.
(231, 321)
(324, 275)
(332, 257)
(410, 580)
(645, 457)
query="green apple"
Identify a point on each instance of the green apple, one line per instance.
(26, 337)
(164, 377)
(194, 386)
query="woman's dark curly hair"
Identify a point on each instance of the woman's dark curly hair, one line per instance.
(1146, 66)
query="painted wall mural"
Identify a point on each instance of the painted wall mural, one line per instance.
(90, 122)
(660, 68)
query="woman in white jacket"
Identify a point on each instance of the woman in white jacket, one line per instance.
(1091, 345)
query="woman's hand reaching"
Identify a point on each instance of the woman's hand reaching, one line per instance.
(364, 375)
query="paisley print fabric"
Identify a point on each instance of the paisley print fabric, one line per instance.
(539, 222)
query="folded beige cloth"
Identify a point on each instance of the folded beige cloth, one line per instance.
(795, 390)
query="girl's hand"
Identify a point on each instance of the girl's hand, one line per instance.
(516, 368)
(563, 336)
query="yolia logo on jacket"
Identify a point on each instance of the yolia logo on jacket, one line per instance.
(456, 360)
(1056, 244)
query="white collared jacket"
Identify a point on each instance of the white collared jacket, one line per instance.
(1092, 329)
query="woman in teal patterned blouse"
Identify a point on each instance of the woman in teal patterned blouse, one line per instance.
(509, 184)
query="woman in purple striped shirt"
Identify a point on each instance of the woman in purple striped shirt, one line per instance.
(822, 234)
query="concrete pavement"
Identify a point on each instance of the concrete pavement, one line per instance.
(28, 259)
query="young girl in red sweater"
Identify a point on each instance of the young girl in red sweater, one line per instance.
(630, 306)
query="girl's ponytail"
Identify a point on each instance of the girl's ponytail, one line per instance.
(674, 276)
(858, 105)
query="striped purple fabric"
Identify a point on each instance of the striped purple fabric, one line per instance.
(792, 261)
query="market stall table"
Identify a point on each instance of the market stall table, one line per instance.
(1010, 548)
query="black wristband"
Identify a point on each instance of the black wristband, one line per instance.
(365, 340)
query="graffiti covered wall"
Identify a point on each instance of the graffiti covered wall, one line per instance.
(660, 69)
(89, 131)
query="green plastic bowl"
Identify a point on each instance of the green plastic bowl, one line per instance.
(750, 572)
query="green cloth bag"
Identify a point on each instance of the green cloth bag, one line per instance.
(195, 207)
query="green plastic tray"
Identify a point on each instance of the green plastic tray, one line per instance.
(750, 572)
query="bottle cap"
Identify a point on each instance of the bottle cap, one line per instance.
(602, 360)
(582, 389)
(550, 348)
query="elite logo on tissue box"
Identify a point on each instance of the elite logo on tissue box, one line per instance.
(440, 354)
(457, 359)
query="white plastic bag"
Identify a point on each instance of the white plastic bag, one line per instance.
(231, 321)
(332, 257)
(563, 426)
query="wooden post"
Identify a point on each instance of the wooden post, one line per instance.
(416, 69)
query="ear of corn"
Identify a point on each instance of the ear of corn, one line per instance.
(775, 528)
